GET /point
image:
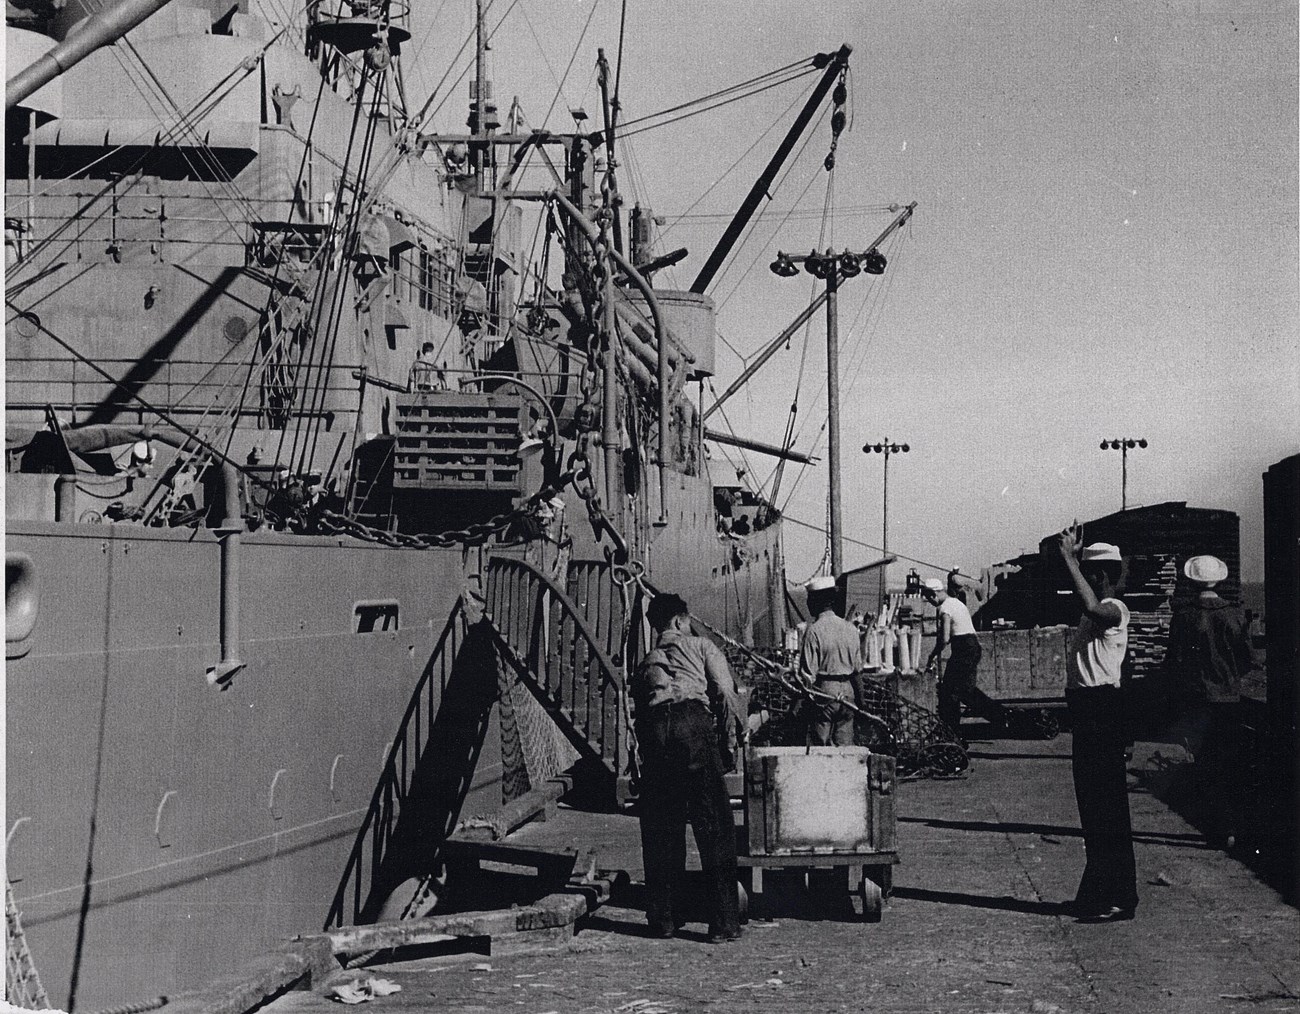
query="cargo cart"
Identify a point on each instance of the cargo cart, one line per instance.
(819, 807)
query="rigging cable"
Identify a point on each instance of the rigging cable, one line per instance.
(868, 545)
(577, 47)
(624, 132)
(351, 237)
(730, 169)
(329, 242)
(761, 211)
(791, 72)
(167, 138)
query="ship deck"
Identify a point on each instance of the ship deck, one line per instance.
(974, 924)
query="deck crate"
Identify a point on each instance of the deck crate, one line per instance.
(819, 799)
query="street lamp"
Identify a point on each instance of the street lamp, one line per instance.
(1122, 444)
(832, 268)
(886, 448)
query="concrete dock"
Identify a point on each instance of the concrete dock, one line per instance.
(975, 923)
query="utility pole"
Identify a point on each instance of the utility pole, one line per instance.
(833, 407)
(1123, 444)
(832, 268)
(886, 448)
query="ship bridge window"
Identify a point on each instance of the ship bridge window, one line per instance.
(424, 285)
(375, 617)
(429, 279)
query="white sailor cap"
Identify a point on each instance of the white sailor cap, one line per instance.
(1206, 570)
(824, 582)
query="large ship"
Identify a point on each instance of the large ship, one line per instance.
(322, 499)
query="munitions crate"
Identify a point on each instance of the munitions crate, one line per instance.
(452, 441)
(819, 799)
(827, 807)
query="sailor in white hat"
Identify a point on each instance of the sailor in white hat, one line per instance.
(1208, 655)
(830, 658)
(955, 630)
(1108, 889)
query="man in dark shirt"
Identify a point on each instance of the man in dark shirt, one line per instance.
(673, 691)
(1208, 655)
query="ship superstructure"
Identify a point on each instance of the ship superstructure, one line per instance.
(287, 411)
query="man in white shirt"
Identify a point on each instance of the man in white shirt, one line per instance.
(1108, 889)
(958, 686)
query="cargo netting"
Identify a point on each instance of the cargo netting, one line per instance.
(885, 721)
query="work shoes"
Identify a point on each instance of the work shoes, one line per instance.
(722, 936)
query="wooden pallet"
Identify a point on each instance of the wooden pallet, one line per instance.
(449, 441)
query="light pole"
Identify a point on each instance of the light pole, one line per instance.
(886, 448)
(1122, 444)
(832, 268)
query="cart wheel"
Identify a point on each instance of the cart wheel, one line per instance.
(872, 900)
(1046, 724)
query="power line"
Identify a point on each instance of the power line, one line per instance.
(868, 545)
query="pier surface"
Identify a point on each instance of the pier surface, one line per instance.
(975, 923)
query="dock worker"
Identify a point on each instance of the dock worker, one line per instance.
(830, 659)
(1208, 655)
(1108, 890)
(958, 686)
(676, 691)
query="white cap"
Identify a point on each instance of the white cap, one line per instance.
(933, 584)
(1100, 552)
(1206, 569)
(823, 583)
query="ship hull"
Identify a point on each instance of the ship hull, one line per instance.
(168, 830)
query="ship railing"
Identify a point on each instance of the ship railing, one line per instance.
(181, 387)
(371, 847)
(565, 658)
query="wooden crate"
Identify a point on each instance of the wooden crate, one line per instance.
(452, 441)
(1024, 665)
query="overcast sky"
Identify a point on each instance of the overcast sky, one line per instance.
(1105, 243)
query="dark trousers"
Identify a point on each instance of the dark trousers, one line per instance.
(832, 720)
(681, 780)
(958, 686)
(1211, 731)
(1100, 786)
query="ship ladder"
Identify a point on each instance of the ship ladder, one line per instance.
(575, 687)
(22, 983)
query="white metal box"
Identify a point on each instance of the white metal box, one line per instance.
(819, 799)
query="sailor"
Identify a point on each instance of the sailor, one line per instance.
(1108, 890)
(829, 659)
(958, 686)
(675, 691)
(424, 371)
(1208, 655)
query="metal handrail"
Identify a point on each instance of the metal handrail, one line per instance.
(395, 779)
(550, 642)
(607, 666)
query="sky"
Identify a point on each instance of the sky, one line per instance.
(1104, 245)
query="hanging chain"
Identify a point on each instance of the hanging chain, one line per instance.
(526, 515)
(598, 315)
